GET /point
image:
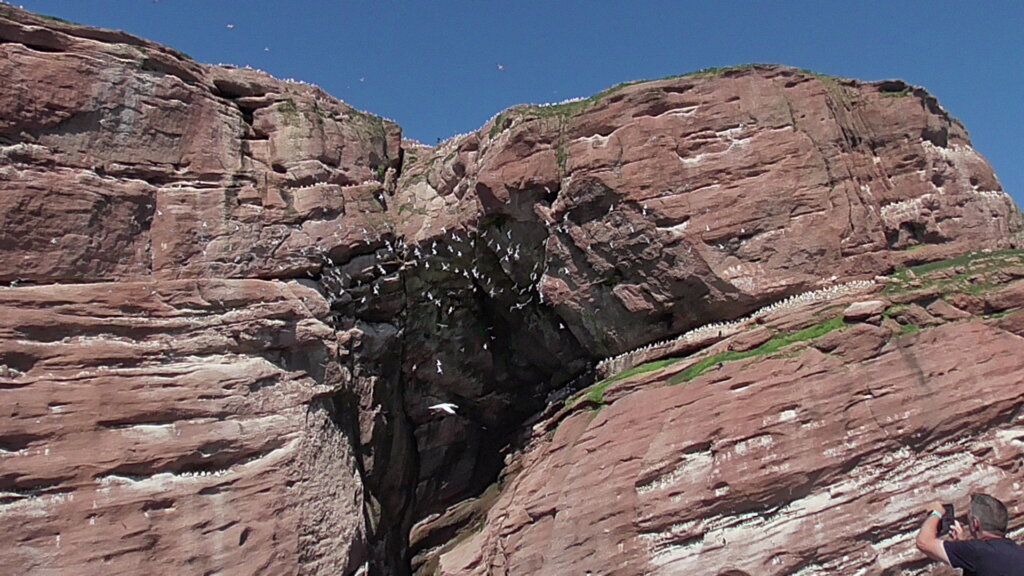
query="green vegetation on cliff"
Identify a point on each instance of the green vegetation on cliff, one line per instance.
(770, 347)
(971, 273)
(595, 393)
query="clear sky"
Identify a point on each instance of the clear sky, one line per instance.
(441, 67)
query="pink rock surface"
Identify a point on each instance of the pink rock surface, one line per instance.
(798, 463)
(126, 159)
(231, 300)
(175, 427)
(662, 205)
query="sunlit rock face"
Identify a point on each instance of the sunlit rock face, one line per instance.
(668, 204)
(170, 366)
(804, 443)
(230, 301)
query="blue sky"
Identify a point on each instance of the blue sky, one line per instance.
(433, 65)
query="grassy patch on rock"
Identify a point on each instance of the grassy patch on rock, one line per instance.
(983, 260)
(774, 345)
(969, 278)
(909, 329)
(595, 393)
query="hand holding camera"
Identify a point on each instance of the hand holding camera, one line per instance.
(956, 532)
(947, 520)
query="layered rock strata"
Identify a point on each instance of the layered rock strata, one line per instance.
(806, 445)
(245, 294)
(170, 402)
(177, 426)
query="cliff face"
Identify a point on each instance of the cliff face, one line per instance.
(805, 443)
(232, 300)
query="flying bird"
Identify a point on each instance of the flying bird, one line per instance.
(444, 407)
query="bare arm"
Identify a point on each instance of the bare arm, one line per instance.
(928, 540)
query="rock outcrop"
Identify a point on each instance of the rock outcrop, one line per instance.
(231, 300)
(171, 371)
(177, 426)
(810, 452)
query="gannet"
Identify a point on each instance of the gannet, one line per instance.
(444, 407)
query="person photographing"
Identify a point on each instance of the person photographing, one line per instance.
(982, 548)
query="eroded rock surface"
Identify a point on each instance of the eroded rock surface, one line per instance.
(161, 412)
(178, 425)
(812, 458)
(231, 300)
(658, 206)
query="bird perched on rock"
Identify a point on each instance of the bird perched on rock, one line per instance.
(444, 407)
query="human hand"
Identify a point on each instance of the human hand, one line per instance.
(936, 507)
(956, 531)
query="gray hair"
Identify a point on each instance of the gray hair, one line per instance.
(991, 513)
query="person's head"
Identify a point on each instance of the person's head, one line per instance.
(987, 514)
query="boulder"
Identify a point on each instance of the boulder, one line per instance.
(860, 311)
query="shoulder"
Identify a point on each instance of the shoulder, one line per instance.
(963, 553)
(1014, 548)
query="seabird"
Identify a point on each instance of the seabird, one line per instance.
(444, 407)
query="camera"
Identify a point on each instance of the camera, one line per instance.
(946, 522)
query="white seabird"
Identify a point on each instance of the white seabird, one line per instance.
(444, 407)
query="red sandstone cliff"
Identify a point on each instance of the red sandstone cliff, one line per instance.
(231, 300)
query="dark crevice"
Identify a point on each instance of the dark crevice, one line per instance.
(11, 493)
(23, 485)
(247, 117)
(159, 504)
(938, 136)
(678, 89)
(214, 490)
(235, 90)
(37, 47)
(380, 288)
(19, 442)
(20, 361)
(893, 87)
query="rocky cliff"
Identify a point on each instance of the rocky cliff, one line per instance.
(676, 319)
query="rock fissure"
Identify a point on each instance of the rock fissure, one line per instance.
(271, 290)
